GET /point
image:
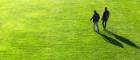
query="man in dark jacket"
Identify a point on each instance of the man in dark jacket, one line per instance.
(105, 18)
(95, 19)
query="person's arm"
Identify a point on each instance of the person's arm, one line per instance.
(108, 14)
(103, 15)
(91, 18)
(99, 16)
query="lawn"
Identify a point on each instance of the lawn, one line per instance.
(62, 30)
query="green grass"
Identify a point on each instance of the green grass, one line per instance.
(61, 30)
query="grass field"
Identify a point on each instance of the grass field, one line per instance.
(61, 30)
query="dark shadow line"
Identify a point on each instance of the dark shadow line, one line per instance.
(123, 39)
(111, 40)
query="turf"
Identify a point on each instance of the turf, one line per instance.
(61, 30)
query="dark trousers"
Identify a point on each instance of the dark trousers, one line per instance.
(104, 24)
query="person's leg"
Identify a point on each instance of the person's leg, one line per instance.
(94, 26)
(97, 26)
(103, 23)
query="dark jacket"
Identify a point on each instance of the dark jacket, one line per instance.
(105, 15)
(96, 17)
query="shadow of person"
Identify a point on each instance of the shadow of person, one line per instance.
(122, 39)
(111, 40)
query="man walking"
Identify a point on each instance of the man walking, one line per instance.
(105, 18)
(95, 19)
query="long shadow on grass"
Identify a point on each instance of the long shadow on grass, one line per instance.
(111, 40)
(123, 39)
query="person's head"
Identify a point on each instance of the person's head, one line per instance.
(105, 8)
(95, 11)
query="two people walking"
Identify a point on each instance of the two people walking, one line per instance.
(95, 18)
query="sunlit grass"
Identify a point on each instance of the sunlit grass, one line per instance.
(61, 30)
